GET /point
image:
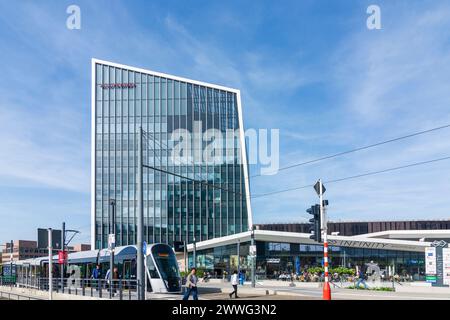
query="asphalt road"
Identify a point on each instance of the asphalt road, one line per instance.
(296, 293)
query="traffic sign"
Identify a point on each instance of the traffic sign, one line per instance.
(144, 248)
(62, 257)
(178, 246)
(252, 251)
(317, 188)
(111, 241)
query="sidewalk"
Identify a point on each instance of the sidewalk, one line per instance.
(308, 289)
(35, 294)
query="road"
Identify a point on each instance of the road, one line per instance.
(296, 293)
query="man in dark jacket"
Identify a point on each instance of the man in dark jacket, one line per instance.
(96, 274)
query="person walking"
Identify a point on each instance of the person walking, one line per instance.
(108, 280)
(361, 279)
(191, 285)
(234, 283)
(96, 274)
(72, 280)
(116, 278)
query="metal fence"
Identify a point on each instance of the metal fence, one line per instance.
(15, 296)
(118, 289)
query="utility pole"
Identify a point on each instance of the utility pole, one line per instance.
(112, 235)
(63, 248)
(238, 255)
(345, 264)
(185, 257)
(326, 285)
(50, 265)
(253, 257)
(195, 253)
(11, 258)
(140, 219)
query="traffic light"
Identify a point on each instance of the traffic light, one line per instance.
(315, 221)
(178, 246)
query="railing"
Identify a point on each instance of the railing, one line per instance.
(15, 296)
(120, 289)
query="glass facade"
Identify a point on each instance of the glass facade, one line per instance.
(275, 258)
(175, 209)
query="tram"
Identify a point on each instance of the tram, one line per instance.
(161, 267)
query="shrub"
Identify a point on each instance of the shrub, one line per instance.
(373, 289)
(339, 270)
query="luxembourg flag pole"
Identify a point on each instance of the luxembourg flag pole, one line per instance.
(326, 286)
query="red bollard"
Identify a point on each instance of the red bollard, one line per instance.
(326, 291)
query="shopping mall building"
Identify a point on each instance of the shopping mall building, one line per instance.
(213, 213)
(402, 251)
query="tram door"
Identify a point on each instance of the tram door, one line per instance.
(126, 270)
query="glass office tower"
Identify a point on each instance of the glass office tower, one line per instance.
(175, 209)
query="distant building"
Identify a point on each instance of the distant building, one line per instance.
(22, 249)
(397, 247)
(81, 247)
(27, 249)
(353, 228)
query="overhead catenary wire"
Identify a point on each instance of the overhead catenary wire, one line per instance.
(201, 182)
(353, 177)
(355, 150)
(163, 146)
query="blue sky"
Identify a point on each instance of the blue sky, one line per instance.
(309, 68)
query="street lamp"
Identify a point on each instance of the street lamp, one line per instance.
(50, 265)
(11, 258)
(238, 257)
(112, 240)
(195, 253)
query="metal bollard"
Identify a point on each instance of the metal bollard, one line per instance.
(120, 289)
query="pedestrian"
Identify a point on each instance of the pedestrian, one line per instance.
(206, 276)
(72, 279)
(116, 279)
(191, 285)
(108, 282)
(234, 283)
(96, 274)
(361, 279)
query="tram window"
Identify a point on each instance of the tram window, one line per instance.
(151, 268)
(89, 269)
(166, 261)
(127, 269)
